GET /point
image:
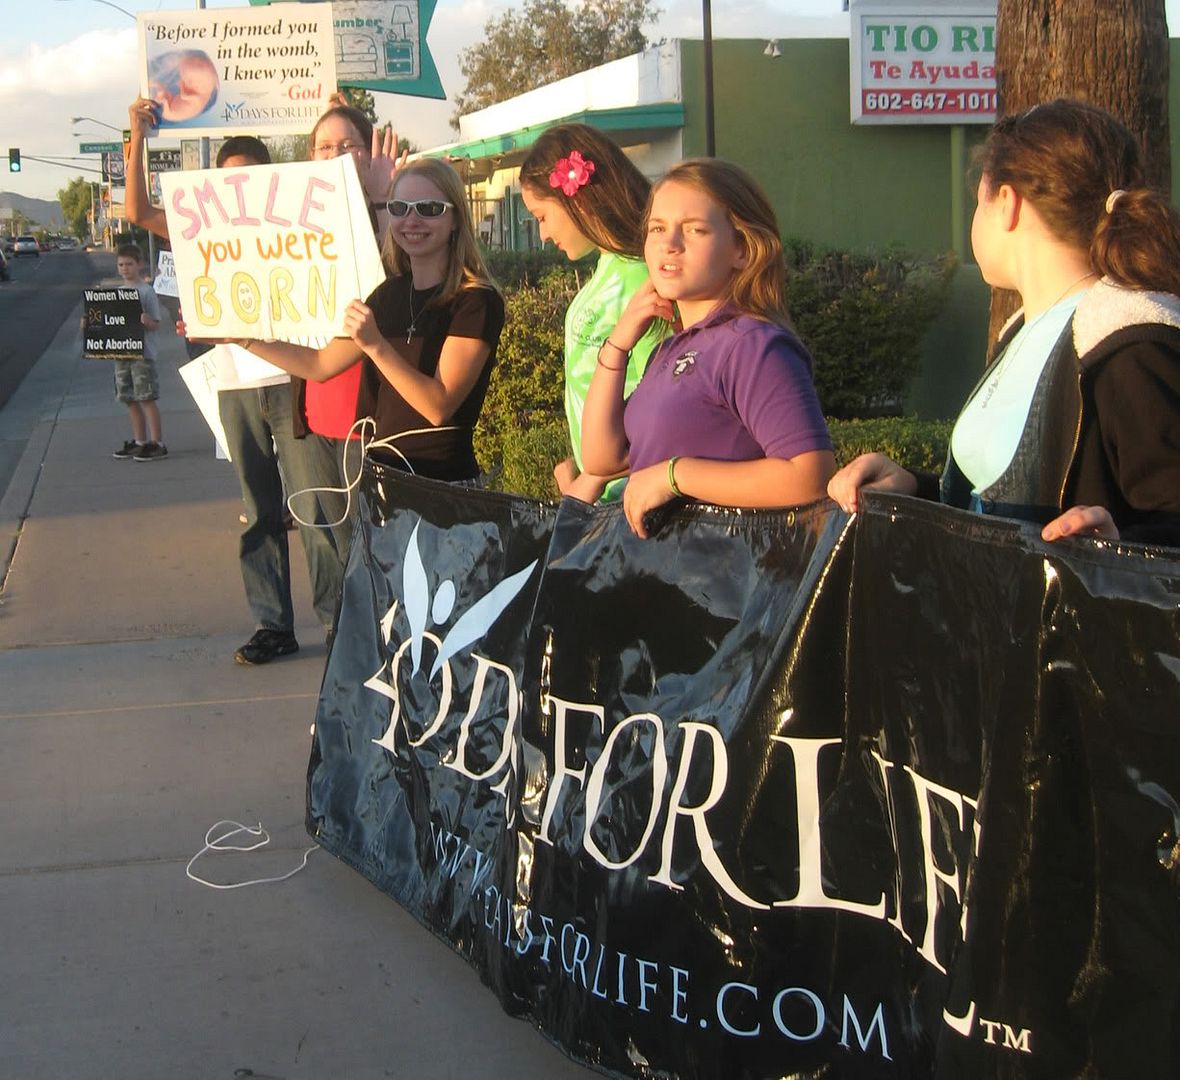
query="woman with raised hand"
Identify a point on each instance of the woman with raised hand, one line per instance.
(329, 409)
(1076, 423)
(587, 196)
(426, 338)
(726, 411)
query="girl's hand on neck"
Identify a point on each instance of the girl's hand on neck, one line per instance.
(645, 305)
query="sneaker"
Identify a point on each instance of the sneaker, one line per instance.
(151, 451)
(265, 646)
(127, 451)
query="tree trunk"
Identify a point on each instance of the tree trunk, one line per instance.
(1112, 53)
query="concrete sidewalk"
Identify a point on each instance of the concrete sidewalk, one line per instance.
(128, 733)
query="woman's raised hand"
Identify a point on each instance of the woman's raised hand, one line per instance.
(384, 162)
(141, 116)
(873, 472)
(1094, 521)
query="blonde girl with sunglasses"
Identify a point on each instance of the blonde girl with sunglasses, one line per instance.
(425, 339)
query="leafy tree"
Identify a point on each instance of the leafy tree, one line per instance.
(548, 40)
(1113, 55)
(76, 200)
(359, 98)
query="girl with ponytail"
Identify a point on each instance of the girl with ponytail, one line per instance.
(1076, 423)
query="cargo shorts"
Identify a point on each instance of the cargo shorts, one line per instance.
(136, 380)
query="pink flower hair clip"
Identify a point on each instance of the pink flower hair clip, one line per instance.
(571, 173)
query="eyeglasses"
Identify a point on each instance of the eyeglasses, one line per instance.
(422, 207)
(331, 150)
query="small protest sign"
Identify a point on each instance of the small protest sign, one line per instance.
(165, 281)
(114, 324)
(271, 251)
(262, 72)
(200, 379)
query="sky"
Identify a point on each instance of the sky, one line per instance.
(60, 59)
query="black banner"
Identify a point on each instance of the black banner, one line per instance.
(771, 794)
(113, 318)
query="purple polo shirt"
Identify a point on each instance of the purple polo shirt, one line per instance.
(730, 388)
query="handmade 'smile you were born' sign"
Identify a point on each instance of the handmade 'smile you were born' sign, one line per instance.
(271, 251)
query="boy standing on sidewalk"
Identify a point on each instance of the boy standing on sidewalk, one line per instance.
(137, 384)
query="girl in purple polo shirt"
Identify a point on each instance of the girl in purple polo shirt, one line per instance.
(726, 411)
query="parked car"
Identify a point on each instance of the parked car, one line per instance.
(4, 275)
(26, 245)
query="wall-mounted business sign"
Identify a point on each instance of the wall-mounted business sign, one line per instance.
(381, 45)
(923, 62)
(161, 161)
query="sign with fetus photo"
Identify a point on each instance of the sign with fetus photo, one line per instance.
(249, 71)
(271, 251)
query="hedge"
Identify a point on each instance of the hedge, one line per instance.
(527, 465)
(862, 316)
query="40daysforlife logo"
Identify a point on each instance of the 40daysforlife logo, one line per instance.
(421, 609)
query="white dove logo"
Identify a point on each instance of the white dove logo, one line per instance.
(466, 630)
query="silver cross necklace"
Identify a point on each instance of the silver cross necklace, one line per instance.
(413, 318)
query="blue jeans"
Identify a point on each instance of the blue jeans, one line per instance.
(267, 456)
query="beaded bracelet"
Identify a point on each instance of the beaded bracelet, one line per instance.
(672, 476)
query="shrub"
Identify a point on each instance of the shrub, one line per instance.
(526, 388)
(915, 444)
(514, 269)
(863, 317)
(527, 465)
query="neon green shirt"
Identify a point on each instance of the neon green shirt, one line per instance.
(590, 318)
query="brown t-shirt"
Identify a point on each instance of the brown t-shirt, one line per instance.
(441, 453)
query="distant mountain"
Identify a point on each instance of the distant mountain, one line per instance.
(41, 212)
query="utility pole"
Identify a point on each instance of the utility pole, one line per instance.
(707, 19)
(204, 138)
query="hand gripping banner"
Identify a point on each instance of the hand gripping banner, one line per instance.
(770, 794)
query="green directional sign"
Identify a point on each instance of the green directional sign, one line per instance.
(99, 147)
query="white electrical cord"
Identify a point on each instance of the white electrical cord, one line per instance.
(218, 843)
(359, 428)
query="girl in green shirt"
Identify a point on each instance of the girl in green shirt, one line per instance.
(588, 196)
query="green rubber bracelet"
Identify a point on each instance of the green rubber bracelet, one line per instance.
(672, 476)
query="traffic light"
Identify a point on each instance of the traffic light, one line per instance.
(14, 160)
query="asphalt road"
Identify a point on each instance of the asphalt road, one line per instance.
(36, 305)
(43, 291)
